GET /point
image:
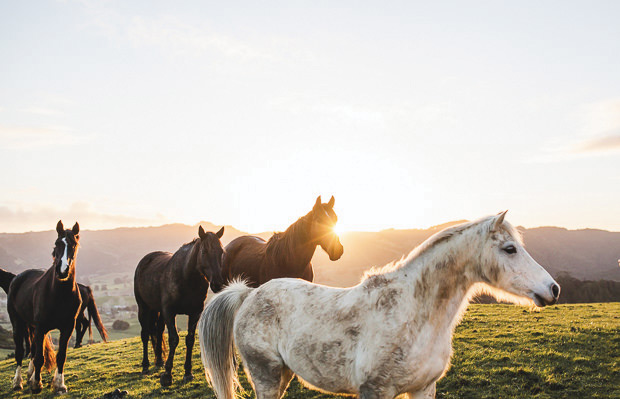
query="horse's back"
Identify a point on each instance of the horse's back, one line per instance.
(292, 304)
(243, 258)
(25, 280)
(148, 276)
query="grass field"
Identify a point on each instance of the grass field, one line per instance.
(500, 351)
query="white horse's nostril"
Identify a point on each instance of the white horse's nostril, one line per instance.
(555, 290)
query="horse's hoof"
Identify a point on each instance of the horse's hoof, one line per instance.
(145, 370)
(60, 390)
(36, 387)
(165, 379)
(188, 378)
(17, 383)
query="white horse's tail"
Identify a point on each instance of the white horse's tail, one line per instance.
(216, 339)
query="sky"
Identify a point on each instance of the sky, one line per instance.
(411, 114)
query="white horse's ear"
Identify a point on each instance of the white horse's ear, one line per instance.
(318, 202)
(331, 202)
(499, 219)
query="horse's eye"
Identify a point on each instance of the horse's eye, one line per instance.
(510, 249)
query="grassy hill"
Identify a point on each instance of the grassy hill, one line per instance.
(500, 351)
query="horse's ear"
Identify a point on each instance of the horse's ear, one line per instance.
(60, 229)
(331, 202)
(318, 202)
(76, 229)
(220, 233)
(499, 219)
(201, 232)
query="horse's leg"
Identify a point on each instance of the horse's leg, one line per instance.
(58, 383)
(80, 330)
(189, 345)
(37, 348)
(266, 371)
(159, 327)
(428, 393)
(19, 332)
(374, 391)
(27, 339)
(173, 341)
(145, 334)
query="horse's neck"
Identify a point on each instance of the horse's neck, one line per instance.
(297, 248)
(189, 263)
(68, 284)
(440, 282)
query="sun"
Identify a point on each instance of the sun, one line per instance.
(339, 229)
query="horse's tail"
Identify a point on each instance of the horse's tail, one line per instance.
(93, 313)
(90, 328)
(216, 339)
(155, 328)
(48, 353)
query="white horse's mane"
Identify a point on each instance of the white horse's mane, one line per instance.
(484, 225)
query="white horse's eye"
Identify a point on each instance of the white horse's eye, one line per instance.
(510, 249)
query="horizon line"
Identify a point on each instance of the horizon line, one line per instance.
(341, 232)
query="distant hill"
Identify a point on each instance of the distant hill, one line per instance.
(583, 254)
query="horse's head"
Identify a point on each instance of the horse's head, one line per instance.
(506, 264)
(209, 260)
(322, 228)
(65, 250)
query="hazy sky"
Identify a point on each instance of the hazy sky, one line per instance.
(411, 114)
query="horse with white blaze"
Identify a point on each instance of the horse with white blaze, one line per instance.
(391, 334)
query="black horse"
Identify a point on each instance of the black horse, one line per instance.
(168, 284)
(83, 323)
(40, 301)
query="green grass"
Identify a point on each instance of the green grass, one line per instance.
(500, 351)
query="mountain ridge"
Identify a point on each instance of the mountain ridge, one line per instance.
(585, 254)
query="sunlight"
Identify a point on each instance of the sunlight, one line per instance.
(339, 229)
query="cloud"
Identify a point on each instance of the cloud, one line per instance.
(600, 135)
(601, 128)
(609, 142)
(167, 32)
(43, 111)
(45, 218)
(602, 116)
(24, 137)
(178, 37)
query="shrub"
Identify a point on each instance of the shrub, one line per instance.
(120, 325)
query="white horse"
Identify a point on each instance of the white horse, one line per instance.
(390, 334)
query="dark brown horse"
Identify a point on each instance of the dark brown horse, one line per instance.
(168, 284)
(83, 323)
(286, 254)
(40, 301)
